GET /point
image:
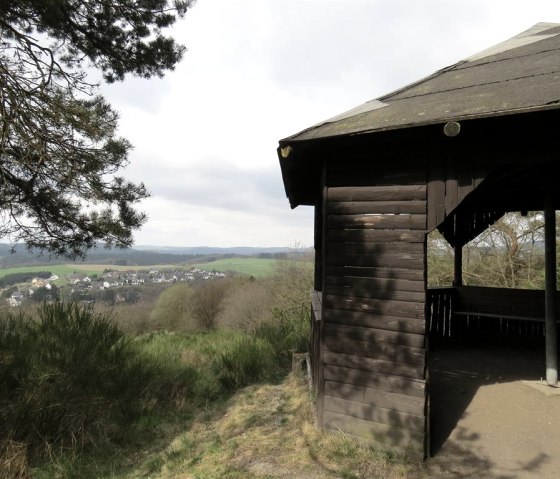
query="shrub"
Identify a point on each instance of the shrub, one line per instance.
(274, 309)
(287, 332)
(64, 374)
(182, 379)
(246, 361)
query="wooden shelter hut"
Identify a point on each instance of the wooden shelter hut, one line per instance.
(453, 151)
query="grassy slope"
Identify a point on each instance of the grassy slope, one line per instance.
(268, 431)
(263, 431)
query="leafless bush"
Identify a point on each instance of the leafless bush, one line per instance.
(508, 254)
(292, 284)
(276, 308)
(246, 305)
(173, 310)
(207, 303)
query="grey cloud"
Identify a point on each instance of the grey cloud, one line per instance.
(137, 92)
(318, 44)
(223, 186)
(220, 184)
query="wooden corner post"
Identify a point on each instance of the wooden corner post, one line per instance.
(550, 290)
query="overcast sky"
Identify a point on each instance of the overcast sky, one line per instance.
(256, 71)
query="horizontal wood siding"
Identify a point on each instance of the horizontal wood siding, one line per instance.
(384, 399)
(379, 236)
(374, 293)
(406, 309)
(376, 283)
(368, 334)
(381, 293)
(398, 354)
(378, 221)
(377, 193)
(394, 438)
(412, 369)
(369, 412)
(377, 207)
(376, 321)
(353, 272)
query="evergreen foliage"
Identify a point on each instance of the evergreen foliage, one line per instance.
(65, 373)
(246, 361)
(59, 153)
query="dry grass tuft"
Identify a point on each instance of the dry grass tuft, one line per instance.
(13, 460)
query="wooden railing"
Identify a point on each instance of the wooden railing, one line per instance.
(439, 302)
(454, 312)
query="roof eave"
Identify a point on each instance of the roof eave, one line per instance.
(305, 136)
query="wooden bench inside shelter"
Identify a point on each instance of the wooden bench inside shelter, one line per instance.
(460, 311)
(504, 303)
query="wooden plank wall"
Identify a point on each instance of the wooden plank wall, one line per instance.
(374, 280)
(451, 179)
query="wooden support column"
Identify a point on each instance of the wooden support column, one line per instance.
(458, 254)
(458, 263)
(324, 252)
(550, 291)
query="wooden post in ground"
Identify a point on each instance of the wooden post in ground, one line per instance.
(550, 291)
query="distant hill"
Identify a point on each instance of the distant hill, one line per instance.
(236, 250)
(138, 256)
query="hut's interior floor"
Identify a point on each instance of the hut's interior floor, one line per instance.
(486, 421)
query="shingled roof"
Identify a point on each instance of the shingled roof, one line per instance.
(519, 75)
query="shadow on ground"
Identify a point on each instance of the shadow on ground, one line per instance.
(457, 374)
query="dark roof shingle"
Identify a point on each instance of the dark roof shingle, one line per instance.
(518, 75)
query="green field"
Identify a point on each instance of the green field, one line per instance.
(58, 269)
(257, 267)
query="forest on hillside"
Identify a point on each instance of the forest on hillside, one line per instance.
(141, 256)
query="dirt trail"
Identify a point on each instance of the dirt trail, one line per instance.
(491, 418)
